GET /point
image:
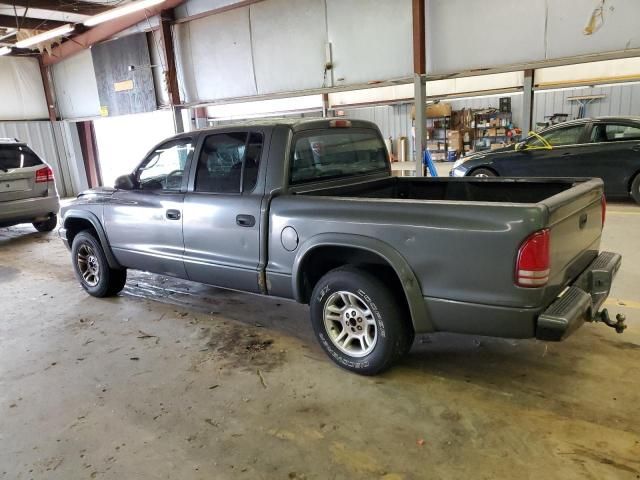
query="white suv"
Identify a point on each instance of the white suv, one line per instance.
(27, 190)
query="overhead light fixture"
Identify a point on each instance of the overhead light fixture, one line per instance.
(4, 51)
(44, 36)
(120, 12)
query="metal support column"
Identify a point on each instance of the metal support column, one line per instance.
(420, 95)
(419, 80)
(170, 74)
(527, 103)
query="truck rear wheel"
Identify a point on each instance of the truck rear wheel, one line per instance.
(92, 269)
(358, 321)
(635, 189)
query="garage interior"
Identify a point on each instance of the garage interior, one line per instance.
(175, 379)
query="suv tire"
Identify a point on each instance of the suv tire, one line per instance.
(92, 269)
(358, 321)
(47, 225)
(482, 172)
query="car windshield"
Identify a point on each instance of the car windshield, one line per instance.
(331, 153)
(17, 156)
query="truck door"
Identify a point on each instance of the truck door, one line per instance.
(222, 211)
(144, 225)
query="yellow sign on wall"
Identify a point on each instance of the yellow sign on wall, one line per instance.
(104, 111)
(123, 86)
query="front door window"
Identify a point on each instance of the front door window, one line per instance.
(164, 168)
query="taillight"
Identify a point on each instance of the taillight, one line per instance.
(44, 175)
(532, 267)
(604, 209)
(339, 123)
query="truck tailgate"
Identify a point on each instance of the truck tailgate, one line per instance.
(575, 224)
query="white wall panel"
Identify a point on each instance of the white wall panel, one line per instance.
(74, 82)
(465, 35)
(195, 7)
(288, 40)
(371, 39)
(567, 20)
(214, 57)
(21, 91)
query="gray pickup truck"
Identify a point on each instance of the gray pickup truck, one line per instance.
(309, 210)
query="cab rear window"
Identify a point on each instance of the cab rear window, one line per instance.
(335, 153)
(17, 156)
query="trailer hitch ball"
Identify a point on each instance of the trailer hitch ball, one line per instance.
(618, 324)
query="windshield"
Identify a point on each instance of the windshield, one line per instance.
(17, 156)
(324, 154)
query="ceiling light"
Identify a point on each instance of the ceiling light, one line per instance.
(44, 36)
(4, 50)
(120, 11)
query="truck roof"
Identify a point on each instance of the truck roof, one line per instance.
(295, 124)
(11, 141)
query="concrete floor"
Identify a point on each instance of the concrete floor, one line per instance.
(175, 380)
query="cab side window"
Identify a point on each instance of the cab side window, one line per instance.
(229, 161)
(564, 136)
(612, 132)
(164, 168)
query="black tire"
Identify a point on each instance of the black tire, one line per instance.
(92, 269)
(47, 225)
(635, 189)
(483, 172)
(393, 330)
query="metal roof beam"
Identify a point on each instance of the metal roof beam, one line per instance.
(20, 22)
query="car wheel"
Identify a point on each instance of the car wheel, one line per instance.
(635, 189)
(358, 321)
(483, 172)
(48, 225)
(92, 269)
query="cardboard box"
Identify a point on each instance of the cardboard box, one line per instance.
(492, 132)
(440, 109)
(501, 131)
(455, 140)
(495, 146)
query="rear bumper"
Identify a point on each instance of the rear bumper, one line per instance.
(581, 301)
(28, 209)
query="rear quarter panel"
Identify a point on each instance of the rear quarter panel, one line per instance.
(461, 251)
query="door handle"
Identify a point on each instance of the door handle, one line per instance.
(173, 214)
(246, 220)
(566, 153)
(636, 148)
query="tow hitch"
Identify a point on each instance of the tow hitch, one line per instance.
(618, 323)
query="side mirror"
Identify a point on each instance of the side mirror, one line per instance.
(125, 182)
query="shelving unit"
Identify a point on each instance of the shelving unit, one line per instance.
(487, 121)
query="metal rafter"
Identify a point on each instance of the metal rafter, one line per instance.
(68, 6)
(29, 22)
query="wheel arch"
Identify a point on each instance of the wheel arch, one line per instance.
(76, 221)
(325, 252)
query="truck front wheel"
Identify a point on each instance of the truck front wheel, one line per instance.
(358, 321)
(92, 269)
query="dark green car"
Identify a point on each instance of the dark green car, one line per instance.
(606, 148)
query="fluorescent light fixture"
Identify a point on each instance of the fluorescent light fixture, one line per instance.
(120, 11)
(4, 51)
(44, 36)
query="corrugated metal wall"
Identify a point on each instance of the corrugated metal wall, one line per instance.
(394, 120)
(623, 99)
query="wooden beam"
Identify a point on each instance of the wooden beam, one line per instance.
(170, 74)
(48, 95)
(67, 6)
(419, 45)
(11, 21)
